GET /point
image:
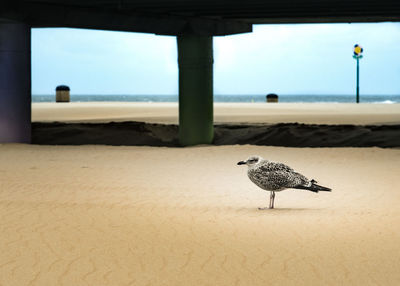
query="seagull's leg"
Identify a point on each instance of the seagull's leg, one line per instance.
(272, 200)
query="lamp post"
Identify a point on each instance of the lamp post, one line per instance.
(358, 55)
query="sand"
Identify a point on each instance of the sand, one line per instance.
(316, 113)
(236, 123)
(102, 215)
(108, 215)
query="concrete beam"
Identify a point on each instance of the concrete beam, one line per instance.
(15, 82)
(195, 58)
(45, 15)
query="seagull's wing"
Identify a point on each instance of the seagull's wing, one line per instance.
(278, 179)
(280, 175)
(299, 180)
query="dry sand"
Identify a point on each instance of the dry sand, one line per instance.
(96, 215)
(315, 113)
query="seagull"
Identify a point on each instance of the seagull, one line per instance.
(276, 177)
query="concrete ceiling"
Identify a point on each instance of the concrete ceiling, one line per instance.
(201, 17)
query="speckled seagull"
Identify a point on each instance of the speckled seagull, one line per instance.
(276, 177)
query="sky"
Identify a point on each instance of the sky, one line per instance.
(283, 59)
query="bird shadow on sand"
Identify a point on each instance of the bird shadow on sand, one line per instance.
(255, 210)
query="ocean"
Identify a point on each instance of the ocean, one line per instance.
(226, 98)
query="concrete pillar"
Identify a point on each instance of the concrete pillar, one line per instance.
(195, 59)
(15, 82)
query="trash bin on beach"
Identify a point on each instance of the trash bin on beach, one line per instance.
(272, 97)
(62, 93)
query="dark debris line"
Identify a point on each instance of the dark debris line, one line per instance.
(283, 134)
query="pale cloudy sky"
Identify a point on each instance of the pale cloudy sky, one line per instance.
(285, 59)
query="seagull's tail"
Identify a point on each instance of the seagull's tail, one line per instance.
(314, 187)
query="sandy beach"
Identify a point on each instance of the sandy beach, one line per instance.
(315, 113)
(155, 124)
(130, 215)
(102, 215)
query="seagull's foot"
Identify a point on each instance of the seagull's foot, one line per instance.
(266, 208)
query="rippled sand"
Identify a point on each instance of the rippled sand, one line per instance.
(96, 215)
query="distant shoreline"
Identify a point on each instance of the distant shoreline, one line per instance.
(226, 98)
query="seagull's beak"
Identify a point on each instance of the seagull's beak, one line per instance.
(241, 163)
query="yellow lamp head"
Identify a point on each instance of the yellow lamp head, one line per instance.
(358, 50)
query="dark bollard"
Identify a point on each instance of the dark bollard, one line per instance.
(62, 93)
(272, 97)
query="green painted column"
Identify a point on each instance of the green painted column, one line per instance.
(358, 81)
(195, 60)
